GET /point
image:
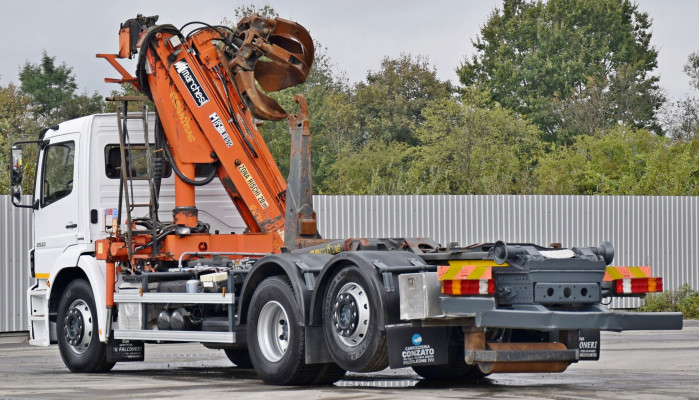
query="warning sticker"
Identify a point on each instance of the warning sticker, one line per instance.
(253, 186)
(110, 219)
(218, 124)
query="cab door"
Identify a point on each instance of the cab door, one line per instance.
(56, 215)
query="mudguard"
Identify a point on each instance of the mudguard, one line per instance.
(301, 270)
(93, 269)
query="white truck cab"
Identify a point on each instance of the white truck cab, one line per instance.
(76, 195)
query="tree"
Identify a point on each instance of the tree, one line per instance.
(17, 122)
(52, 90)
(681, 118)
(691, 68)
(327, 94)
(392, 99)
(540, 57)
(603, 104)
(470, 149)
(624, 161)
(377, 168)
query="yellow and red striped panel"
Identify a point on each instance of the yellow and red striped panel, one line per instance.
(467, 277)
(613, 273)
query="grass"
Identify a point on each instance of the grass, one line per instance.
(684, 299)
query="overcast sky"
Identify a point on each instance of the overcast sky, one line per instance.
(356, 33)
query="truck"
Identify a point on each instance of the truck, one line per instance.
(176, 225)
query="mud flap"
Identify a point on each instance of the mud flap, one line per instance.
(409, 345)
(120, 350)
(589, 344)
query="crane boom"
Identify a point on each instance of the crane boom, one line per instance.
(205, 84)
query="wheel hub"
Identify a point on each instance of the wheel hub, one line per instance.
(345, 315)
(78, 326)
(273, 331)
(75, 325)
(350, 316)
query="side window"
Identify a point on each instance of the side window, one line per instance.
(136, 161)
(57, 172)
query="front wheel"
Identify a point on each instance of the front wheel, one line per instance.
(276, 341)
(351, 311)
(78, 331)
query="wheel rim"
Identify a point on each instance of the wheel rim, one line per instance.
(78, 326)
(351, 313)
(273, 331)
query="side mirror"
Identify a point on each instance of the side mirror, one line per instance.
(16, 175)
(16, 167)
(16, 193)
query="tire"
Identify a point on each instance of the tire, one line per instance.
(77, 330)
(350, 323)
(276, 338)
(239, 357)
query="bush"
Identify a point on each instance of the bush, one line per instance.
(684, 299)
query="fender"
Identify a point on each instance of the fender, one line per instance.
(93, 269)
(67, 259)
(365, 260)
(290, 264)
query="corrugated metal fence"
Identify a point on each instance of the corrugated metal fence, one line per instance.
(659, 231)
(15, 242)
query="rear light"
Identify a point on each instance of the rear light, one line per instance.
(469, 287)
(467, 277)
(638, 285)
(632, 280)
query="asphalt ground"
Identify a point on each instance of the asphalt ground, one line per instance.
(633, 365)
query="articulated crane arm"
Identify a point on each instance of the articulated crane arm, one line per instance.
(203, 87)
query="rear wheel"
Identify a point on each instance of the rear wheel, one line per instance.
(276, 341)
(78, 332)
(351, 313)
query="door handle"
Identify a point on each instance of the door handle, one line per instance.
(71, 226)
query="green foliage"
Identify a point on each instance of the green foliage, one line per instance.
(250, 9)
(126, 89)
(17, 122)
(331, 116)
(48, 85)
(52, 90)
(541, 59)
(47, 95)
(470, 149)
(681, 118)
(352, 125)
(624, 161)
(392, 99)
(691, 68)
(378, 168)
(684, 300)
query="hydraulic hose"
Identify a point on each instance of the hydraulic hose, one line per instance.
(184, 178)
